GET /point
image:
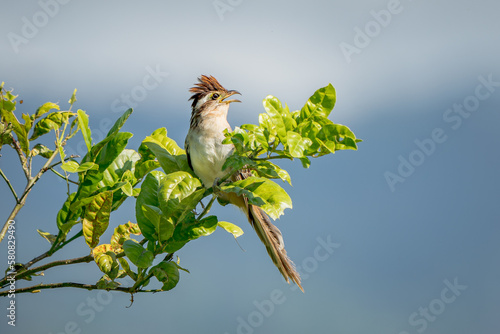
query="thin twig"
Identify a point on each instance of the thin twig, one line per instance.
(73, 156)
(49, 252)
(79, 234)
(63, 177)
(273, 157)
(22, 158)
(10, 185)
(208, 207)
(29, 186)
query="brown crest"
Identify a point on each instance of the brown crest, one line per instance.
(205, 85)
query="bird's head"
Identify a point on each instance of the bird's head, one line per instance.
(208, 94)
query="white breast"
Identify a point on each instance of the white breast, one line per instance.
(207, 153)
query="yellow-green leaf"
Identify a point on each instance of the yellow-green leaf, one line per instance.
(47, 236)
(235, 230)
(96, 217)
(83, 124)
(262, 192)
(70, 166)
(45, 108)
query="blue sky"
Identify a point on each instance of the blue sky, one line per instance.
(422, 89)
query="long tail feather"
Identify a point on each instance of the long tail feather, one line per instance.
(271, 237)
(269, 234)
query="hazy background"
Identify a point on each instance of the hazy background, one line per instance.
(394, 249)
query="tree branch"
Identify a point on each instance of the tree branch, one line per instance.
(38, 287)
(83, 259)
(22, 274)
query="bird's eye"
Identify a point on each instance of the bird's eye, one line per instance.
(215, 96)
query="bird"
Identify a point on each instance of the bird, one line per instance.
(206, 155)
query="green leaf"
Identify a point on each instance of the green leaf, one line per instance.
(170, 156)
(310, 129)
(237, 162)
(144, 167)
(164, 228)
(274, 109)
(320, 104)
(147, 162)
(96, 149)
(50, 122)
(174, 246)
(167, 273)
(47, 236)
(125, 161)
(262, 167)
(83, 124)
(86, 166)
(271, 171)
(66, 217)
(256, 136)
(43, 150)
(139, 256)
(127, 189)
(96, 217)
(288, 120)
(120, 122)
(126, 267)
(72, 100)
(239, 138)
(45, 108)
(105, 283)
(306, 163)
(262, 192)
(18, 128)
(148, 196)
(201, 228)
(5, 133)
(341, 135)
(270, 132)
(70, 166)
(297, 146)
(28, 123)
(88, 186)
(236, 231)
(112, 149)
(175, 194)
(7, 102)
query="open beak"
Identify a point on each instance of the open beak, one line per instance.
(231, 93)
